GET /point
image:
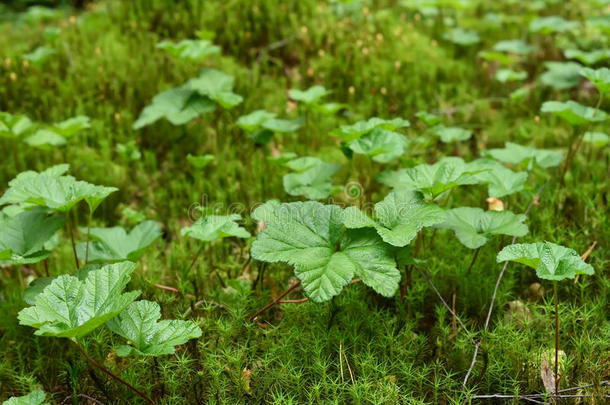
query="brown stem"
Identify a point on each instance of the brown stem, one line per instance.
(195, 258)
(293, 301)
(474, 258)
(556, 338)
(115, 377)
(88, 237)
(71, 226)
(275, 301)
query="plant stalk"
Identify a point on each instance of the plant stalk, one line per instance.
(71, 226)
(275, 301)
(88, 236)
(115, 377)
(474, 259)
(556, 338)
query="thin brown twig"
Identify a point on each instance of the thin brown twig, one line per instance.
(87, 397)
(275, 301)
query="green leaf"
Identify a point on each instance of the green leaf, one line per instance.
(312, 178)
(25, 234)
(178, 105)
(515, 46)
(561, 75)
(515, 154)
(59, 193)
(598, 139)
(509, 75)
(451, 134)
(330, 108)
(213, 227)
(460, 36)
(551, 261)
(474, 227)
(39, 55)
(428, 118)
(312, 95)
(599, 77)
(432, 180)
(501, 181)
(36, 287)
(253, 121)
(573, 112)
(116, 245)
(355, 131)
(215, 85)
(588, 58)
(139, 324)
(199, 162)
(399, 217)
(190, 49)
(283, 126)
(309, 236)
(36, 397)
(44, 139)
(13, 126)
(552, 24)
(71, 308)
(381, 145)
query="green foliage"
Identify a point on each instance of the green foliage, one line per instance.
(139, 324)
(500, 180)
(111, 245)
(598, 139)
(71, 308)
(13, 126)
(574, 113)
(432, 180)
(460, 36)
(551, 261)
(514, 46)
(197, 96)
(311, 178)
(52, 190)
(561, 75)
(213, 227)
(508, 75)
(381, 145)
(190, 49)
(57, 134)
(199, 162)
(312, 95)
(39, 55)
(588, 58)
(515, 154)
(311, 237)
(398, 218)
(357, 130)
(474, 227)
(36, 397)
(451, 134)
(600, 78)
(23, 236)
(552, 24)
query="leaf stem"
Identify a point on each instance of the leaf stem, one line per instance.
(115, 377)
(275, 301)
(88, 236)
(71, 226)
(556, 338)
(474, 258)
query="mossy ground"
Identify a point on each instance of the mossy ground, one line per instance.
(382, 60)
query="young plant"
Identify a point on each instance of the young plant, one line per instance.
(12, 127)
(312, 99)
(74, 306)
(551, 262)
(57, 192)
(474, 227)
(261, 125)
(326, 256)
(57, 134)
(189, 49)
(311, 178)
(36, 397)
(197, 96)
(517, 154)
(112, 245)
(213, 227)
(451, 134)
